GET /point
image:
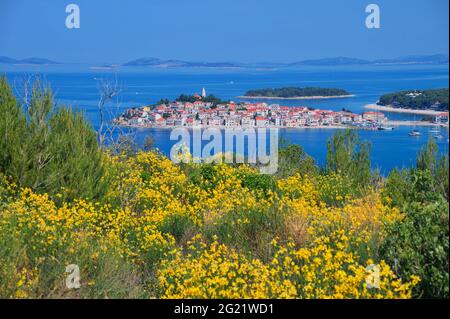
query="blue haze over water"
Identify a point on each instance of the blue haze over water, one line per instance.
(76, 85)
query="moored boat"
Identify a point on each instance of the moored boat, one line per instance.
(415, 133)
(435, 131)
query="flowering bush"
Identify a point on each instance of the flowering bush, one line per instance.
(323, 270)
(199, 231)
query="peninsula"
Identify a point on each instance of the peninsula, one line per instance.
(416, 100)
(209, 111)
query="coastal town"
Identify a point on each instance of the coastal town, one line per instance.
(199, 111)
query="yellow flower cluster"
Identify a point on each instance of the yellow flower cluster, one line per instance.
(49, 230)
(218, 272)
(325, 270)
(152, 185)
(308, 217)
(324, 252)
(7, 189)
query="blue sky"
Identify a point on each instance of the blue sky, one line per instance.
(114, 31)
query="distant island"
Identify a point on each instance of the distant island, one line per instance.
(410, 59)
(296, 93)
(154, 62)
(332, 61)
(162, 63)
(33, 61)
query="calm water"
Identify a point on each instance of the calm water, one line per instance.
(77, 86)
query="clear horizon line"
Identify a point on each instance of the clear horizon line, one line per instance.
(227, 61)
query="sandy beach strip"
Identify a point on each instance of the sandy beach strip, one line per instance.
(391, 109)
(295, 98)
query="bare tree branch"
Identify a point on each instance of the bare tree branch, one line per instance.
(23, 86)
(109, 132)
(108, 90)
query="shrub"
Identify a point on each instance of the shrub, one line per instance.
(419, 245)
(349, 157)
(293, 160)
(51, 151)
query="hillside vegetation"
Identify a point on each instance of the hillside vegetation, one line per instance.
(293, 92)
(417, 99)
(139, 226)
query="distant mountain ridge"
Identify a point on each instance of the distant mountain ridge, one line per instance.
(333, 61)
(173, 63)
(416, 59)
(412, 59)
(156, 62)
(37, 61)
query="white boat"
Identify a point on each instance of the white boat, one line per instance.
(435, 131)
(386, 128)
(415, 133)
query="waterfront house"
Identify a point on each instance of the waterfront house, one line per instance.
(247, 121)
(441, 118)
(289, 122)
(277, 121)
(300, 121)
(202, 115)
(154, 117)
(261, 121)
(231, 122)
(376, 117)
(216, 121)
(160, 122)
(179, 122)
(345, 117)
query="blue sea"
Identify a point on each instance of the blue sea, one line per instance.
(77, 86)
